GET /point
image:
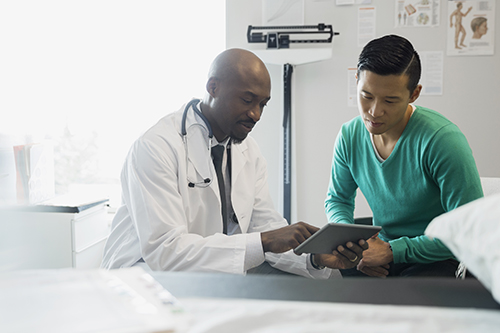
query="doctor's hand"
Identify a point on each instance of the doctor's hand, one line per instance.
(286, 238)
(344, 257)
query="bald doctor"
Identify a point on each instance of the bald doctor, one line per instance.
(179, 214)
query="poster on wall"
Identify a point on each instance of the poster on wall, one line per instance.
(432, 72)
(366, 25)
(352, 87)
(282, 12)
(471, 27)
(352, 2)
(417, 13)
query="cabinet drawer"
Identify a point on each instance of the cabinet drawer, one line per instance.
(90, 257)
(90, 229)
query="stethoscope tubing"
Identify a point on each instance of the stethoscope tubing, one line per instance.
(193, 104)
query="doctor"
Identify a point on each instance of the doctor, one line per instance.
(172, 213)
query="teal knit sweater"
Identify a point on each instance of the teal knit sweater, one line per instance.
(430, 171)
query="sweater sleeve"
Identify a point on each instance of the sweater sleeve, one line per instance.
(453, 168)
(451, 165)
(339, 203)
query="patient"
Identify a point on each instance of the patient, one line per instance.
(410, 162)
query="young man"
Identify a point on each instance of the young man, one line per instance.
(181, 212)
(410, 162)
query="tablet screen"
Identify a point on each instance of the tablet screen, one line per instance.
(328, 238)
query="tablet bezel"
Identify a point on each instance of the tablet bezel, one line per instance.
(331, 235)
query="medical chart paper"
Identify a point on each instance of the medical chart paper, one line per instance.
(416, 13)
(352, 87)
(366, 25)
(432, 72)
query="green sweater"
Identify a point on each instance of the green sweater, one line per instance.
(430, 171)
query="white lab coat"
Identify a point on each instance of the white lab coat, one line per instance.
(174, 227)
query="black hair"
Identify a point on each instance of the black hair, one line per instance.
(391, 55)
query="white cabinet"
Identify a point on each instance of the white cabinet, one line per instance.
(36, 240)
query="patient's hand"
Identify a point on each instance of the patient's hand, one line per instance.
(344, 257)
(376, 259)
(377, 271)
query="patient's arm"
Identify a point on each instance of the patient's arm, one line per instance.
(377, 271)
(378, 254)
(376, 258)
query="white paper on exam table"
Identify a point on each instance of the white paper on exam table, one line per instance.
(68, 300)
(264, 316)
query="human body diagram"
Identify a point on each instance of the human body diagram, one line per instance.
(459, 29)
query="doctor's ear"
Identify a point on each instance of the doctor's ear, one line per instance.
(212, 86)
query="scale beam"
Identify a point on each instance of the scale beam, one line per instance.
(280, 37)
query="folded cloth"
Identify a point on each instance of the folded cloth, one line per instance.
(472, 233)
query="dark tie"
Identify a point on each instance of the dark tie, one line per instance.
(217, 154)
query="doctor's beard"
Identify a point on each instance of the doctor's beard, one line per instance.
(236, 141)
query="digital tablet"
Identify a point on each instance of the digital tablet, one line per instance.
(328, 238)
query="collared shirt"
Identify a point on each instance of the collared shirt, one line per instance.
(232, 222)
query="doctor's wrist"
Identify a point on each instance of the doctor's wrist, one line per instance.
(314, 262)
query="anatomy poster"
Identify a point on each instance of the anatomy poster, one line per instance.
(471, 27)
(417, 13)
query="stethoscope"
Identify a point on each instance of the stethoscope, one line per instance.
(193, 104)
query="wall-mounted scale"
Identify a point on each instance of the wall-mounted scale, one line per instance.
(278, 51)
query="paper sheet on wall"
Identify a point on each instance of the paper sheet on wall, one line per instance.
(351, 2)
(471, 28)
(432, 72)
(366, 25)
(282, 12)
(352, 89)
(413, 13)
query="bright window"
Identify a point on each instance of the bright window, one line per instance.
(91, 76)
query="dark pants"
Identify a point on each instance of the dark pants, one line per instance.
(446, 268)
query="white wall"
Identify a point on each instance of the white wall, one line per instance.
(320, 97)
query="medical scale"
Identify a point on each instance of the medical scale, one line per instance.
(278, 51)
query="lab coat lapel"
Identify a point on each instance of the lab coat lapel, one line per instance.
(200, 164)
(238, 161)
(239, 186)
